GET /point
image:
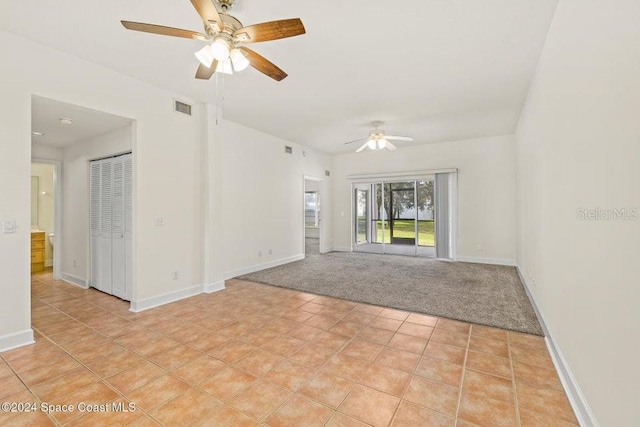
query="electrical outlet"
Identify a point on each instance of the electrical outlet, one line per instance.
(176, 275)
(479, 247)
(270, 251)
(259, 253)
(75, 262)
(159, 221)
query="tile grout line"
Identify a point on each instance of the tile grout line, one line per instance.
(513, 381)
(464, 371)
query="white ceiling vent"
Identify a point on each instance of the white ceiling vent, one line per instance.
(181, 107)
(288, 150)
(327, 173)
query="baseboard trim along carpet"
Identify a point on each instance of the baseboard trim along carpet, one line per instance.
(492, 261)
(259, 267)
(491, 295)
(16, 339)
(579, 403)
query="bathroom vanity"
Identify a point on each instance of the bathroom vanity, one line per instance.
(37, 251)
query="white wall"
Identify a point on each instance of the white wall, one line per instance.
(46, 206)
(167, 172)
(75, 202)
(44, 152)
(263, 197)
(579, 147)
(486, 190)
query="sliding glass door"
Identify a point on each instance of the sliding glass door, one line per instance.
(362, 216)
(395, 217)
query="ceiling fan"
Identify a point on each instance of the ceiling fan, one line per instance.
(378, 140)
(224, 35)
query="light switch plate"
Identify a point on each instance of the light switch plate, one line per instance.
(8, 226)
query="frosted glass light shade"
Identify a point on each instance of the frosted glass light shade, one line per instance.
(224, 67)
(238, 59)
(204, 56)
(220, 49)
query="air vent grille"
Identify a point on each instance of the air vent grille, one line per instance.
(288, 150)
(327, 173)
(181, 107)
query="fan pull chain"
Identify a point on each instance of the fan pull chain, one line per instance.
(219, 97)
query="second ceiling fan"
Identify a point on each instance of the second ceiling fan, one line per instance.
(225, 35)
(378, 140)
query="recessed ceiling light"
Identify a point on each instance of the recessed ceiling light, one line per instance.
(36, 133)
(66, 122)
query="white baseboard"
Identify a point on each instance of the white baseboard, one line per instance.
(48, 263)
(493, 261)
(16, 339)
(264, 266)
(578, 401)
(74, 280)
(214, 287)
(147, 303)
(341, 249)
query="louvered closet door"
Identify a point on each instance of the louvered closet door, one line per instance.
(95, 184)
(117, 211)
(128, 226)
(112, 225)
(103, 265)
(121, 225)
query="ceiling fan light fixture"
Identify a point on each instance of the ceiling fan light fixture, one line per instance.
(372, 144)
(204, 56)
(240, 62)
(220, 49)
(382, 143)
(224, 67)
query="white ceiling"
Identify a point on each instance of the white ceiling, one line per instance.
(437, 70)
(46, 114)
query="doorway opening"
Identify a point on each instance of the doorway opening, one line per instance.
(45, 217)
(67, 138)
(312, 216)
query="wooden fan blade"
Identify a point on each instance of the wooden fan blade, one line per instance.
(164, 31)
(208, 12)
(273, 30)
(398, 138)
(357, 140)
(362, 147)
(205, 73)
(263, 65)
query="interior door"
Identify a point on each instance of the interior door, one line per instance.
(118, 248)
(121, 218)
(111, 221)
(101, 264)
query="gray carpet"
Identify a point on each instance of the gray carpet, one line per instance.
(489, 295)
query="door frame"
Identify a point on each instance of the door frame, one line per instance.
(367, 227)
(320, 182)
(57, 214)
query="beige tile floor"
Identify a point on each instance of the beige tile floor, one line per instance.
(259, 355)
